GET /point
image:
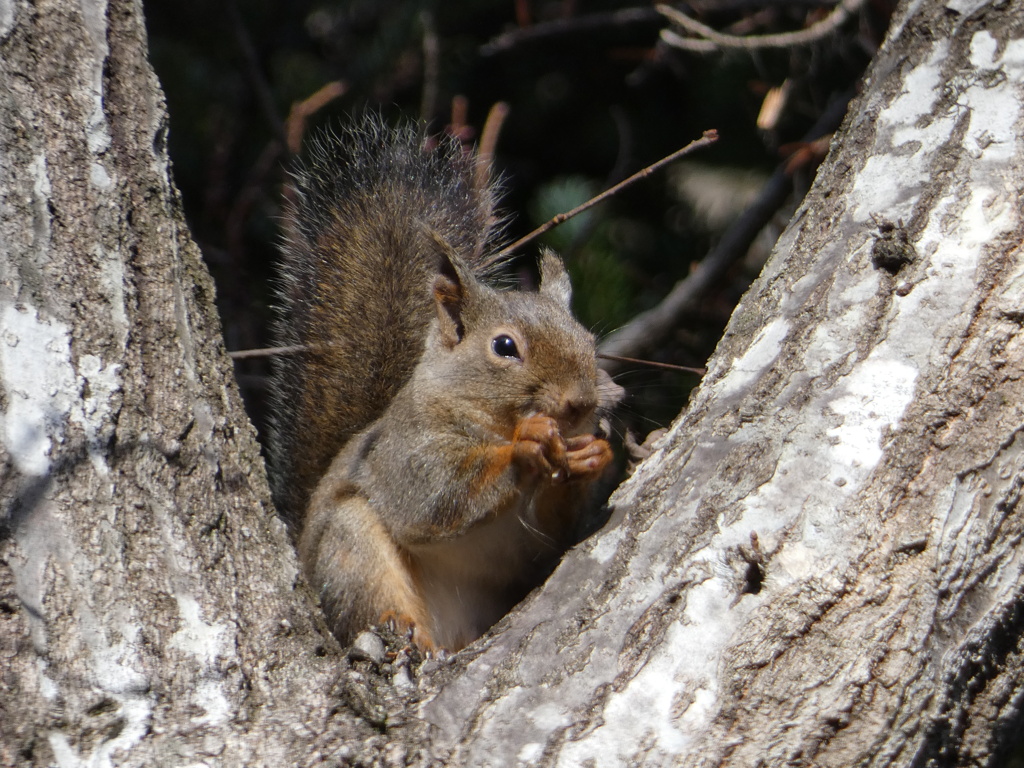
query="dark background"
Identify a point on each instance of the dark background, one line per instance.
(593, 97)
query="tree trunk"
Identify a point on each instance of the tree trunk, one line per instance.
(818, 566)
(821, 564)
(149, 613)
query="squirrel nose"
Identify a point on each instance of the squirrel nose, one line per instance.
(573, 407)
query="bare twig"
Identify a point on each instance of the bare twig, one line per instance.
(652, 364)
(711, 39)
(489, 140)
(458, 126)
(650, 328)
(295, 349)
(709, 138)
(773, 105)
(747, 6)
(301, 111)
(579, 25)
(248, 354)
(691, 44)
(623, 162)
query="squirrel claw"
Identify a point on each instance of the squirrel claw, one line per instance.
(538, 443)
(587, 456)
(405, 626)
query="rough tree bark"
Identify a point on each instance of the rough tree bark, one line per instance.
(148, 606)
(819, 566)
(861, 419)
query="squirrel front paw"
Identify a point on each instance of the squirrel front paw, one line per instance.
(539, 446)
(587, 456)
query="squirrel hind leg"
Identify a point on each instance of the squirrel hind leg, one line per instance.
(360, 574)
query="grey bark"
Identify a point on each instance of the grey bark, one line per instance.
(818, 566)
(149, 609)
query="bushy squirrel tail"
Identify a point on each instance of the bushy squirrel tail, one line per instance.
(361, 224)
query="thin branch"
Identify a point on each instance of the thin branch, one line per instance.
(652, 363)
(691, 44)
(458, 126)
(706, 36)
(580, 25)
(247, 354)
(709, 138)
(623, 162)
(648, 329)
(295, 349)
(489, 140)
(746, 6)
(301, 111)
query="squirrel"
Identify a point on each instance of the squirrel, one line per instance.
(433, 443)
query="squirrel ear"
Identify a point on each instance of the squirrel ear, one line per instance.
(452, 287)
(554, 280)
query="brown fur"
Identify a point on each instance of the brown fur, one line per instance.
(355, 286)
(432, 474)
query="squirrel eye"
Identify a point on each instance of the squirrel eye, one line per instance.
(505, 346)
